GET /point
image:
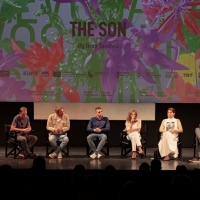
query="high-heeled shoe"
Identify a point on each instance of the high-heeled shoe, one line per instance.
(142, 155)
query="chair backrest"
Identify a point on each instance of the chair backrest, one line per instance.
(143, 128)
(179, 138)
(7, 128)
(10, 135)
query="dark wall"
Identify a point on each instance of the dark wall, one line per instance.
(187, 113)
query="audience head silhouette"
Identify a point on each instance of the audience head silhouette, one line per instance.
(79, 169)
(144, 167)
(182, 182)
(156, 165)
(78, 174)
(181, 169)
(128, 189)
(39, 163)
(110, 168)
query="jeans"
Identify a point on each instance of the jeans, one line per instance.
(61, 138)
(94, 136)
(27, 142)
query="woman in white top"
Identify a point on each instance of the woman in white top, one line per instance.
(133, 127)
(169, 128)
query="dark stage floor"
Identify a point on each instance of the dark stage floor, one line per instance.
(77, 156)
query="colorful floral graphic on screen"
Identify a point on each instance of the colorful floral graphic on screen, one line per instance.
(115, 51)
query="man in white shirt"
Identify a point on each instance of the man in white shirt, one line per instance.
(58, 124)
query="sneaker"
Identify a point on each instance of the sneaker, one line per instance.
(59, 155)
(53, 155)
(31, 155)
(194, 160)
(99, 155)
(93, 156)
(22, 156)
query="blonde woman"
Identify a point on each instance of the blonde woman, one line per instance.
(133, 127)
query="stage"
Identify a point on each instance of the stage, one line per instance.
(77, 155)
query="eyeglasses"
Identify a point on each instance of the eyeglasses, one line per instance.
(99, 112)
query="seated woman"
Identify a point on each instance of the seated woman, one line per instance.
(169, 128)
(133, 127)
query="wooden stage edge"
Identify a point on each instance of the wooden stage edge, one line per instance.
(77, 155)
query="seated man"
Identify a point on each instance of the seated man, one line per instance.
(197, 151)
(58, 124)
(97, 127)
(21, 124)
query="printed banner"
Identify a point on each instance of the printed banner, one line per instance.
(112, 51)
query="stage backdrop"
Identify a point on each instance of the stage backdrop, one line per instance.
(114, 51)
(80, 111)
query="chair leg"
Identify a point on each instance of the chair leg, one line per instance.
(15, 150)
(19, 151)
(102, 151)
(122, 149)
(180, 152)
(87, 150)
(194, 147)
(127, 152)
(10, 153)
(67, 150)
(6, 150)
(12, 149)
(32, 149)
(47, 148)
(66, 153)
(108, 153)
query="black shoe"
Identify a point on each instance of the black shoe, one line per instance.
(142, 155)
(31, 155)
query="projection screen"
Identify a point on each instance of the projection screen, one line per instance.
(84, 111)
